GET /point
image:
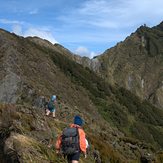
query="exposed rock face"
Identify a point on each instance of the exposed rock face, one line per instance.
(10, 82)
(93, 64)
(9, 88)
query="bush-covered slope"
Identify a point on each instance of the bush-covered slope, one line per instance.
(117, 123)
(117, 105)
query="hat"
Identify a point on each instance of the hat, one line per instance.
(78, 121)
(53, 97)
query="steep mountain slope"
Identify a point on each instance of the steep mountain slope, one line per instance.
(135, 64)
(117, 123)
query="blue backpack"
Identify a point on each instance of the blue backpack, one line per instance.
(51, 105)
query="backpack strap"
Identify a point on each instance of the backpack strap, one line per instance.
(77, 130)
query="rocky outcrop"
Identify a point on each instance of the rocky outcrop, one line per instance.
(94, 64)
(9, 88)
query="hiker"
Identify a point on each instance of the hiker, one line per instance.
(51, 107)
(72, 141)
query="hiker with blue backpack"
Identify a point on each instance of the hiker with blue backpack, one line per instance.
(72, 141)
(51, 107)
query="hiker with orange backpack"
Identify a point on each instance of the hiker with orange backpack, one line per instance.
(51, 107)
(72, 141)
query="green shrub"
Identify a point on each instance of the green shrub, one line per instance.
(157, 134)
(141, 132)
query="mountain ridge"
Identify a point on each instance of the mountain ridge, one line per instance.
(30, 71)
(135, 64)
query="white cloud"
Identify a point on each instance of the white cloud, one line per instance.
(45, 34)
(24, 29)
(17, 29)
(116, 14)
(83, 51)
(93, 54)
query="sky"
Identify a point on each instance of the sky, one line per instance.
(85, 27)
